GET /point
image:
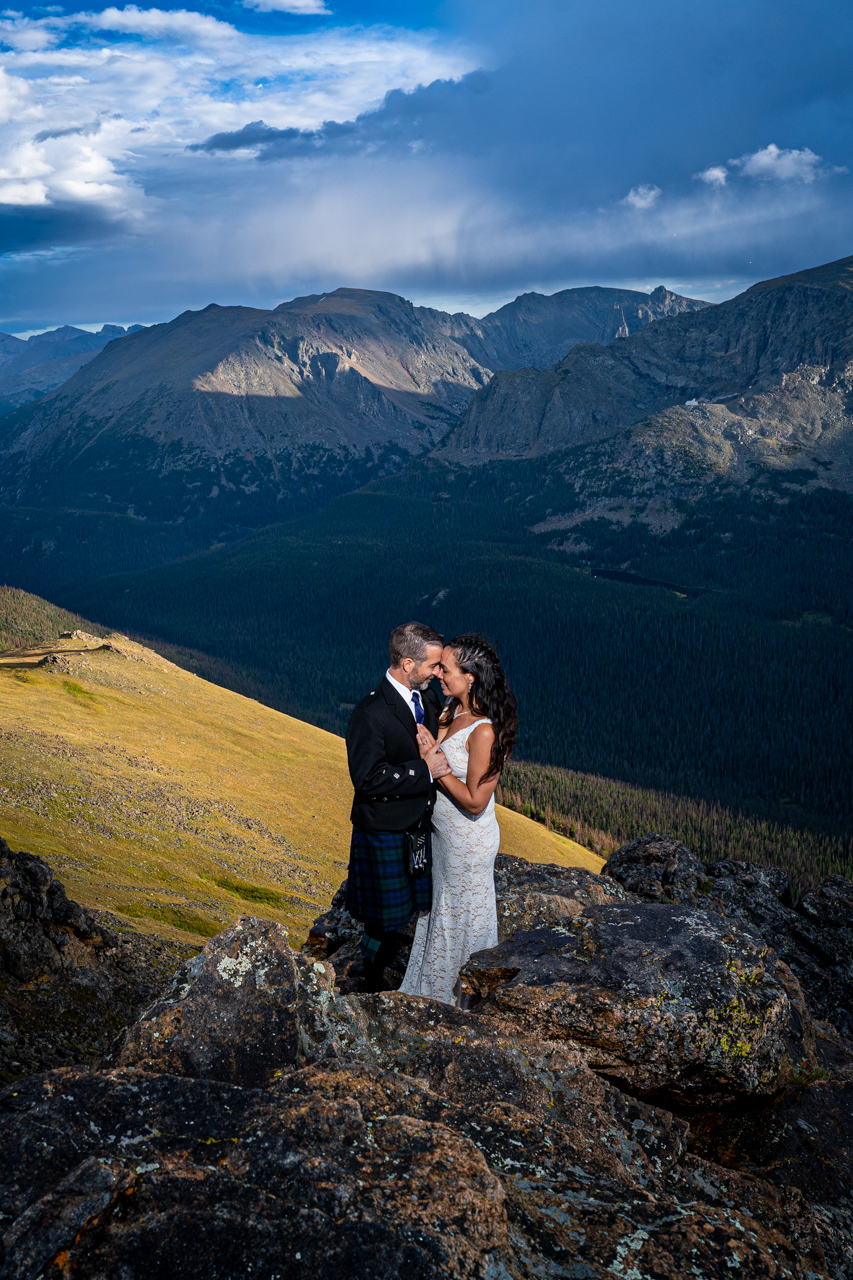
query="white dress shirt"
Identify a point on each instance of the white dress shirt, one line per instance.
(404, 692)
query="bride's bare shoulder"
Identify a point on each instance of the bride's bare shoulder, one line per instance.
(483, 732)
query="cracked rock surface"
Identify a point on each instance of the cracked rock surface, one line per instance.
(263, 1118)
(815, 939)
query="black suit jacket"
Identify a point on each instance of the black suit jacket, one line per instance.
(393, 785)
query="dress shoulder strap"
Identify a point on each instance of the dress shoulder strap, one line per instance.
(473, 725)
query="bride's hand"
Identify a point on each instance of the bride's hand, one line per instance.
(426, 741)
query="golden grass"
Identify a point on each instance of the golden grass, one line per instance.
(176, 803)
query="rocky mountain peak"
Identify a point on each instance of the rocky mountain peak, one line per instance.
(832, 275)
(770, 364)
(241, 416)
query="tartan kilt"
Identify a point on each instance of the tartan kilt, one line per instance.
(379, 891)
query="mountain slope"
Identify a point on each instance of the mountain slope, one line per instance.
(776, 359)
(231, 418)
(32, 367)
(238, 416)
(537, 331)
(176, 803)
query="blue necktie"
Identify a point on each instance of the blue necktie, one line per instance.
(416, 703)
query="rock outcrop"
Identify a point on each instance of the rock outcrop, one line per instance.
(349, 1171)
(69, 978)
(258, 1120)
(242, 1010)
(815, 939)
(669, 1001)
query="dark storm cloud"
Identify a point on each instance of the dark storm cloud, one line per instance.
(660, 109)
(27, 229)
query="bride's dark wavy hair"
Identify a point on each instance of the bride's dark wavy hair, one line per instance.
(490, 696)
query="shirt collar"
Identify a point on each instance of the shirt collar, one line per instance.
(401, 689)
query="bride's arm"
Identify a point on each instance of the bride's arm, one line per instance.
(474, 795)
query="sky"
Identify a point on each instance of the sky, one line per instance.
(157, 159)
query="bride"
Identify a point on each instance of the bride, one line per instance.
(477, 732)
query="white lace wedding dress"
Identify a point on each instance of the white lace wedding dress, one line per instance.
(463, 918)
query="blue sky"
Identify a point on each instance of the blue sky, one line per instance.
(156, 159)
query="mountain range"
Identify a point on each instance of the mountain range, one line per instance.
(753, 391)
(232, 417)
(31, 367)
(657, 532)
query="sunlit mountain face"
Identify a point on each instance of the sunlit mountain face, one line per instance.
(160, 158)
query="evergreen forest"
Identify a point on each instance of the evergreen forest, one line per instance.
(725, 683)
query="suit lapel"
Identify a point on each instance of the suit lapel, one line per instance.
(402, 712)
(431, 714)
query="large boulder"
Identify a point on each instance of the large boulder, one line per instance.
(241, 1011)
(659, 869)
(70, 979)
(815, 939)
(670, 1001)
(532, 893)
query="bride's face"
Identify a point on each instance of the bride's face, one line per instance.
(454, 681)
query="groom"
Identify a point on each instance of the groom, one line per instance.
(394, 793)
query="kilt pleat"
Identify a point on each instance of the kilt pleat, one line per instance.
(380, 892)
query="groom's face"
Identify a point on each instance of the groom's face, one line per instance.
(420, 673)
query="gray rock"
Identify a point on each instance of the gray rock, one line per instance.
(831, 903)
(70, 979)
(532, 893)
(244, 1009)
(668, 1001)
(659, 869)
(352, 1171)
(815, 940)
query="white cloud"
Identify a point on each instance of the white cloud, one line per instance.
(22, 193)
(779, 165)
(89, 116)
(715, 176)
(159, 24)
(642, 197)
(287, 6)
(13, 94)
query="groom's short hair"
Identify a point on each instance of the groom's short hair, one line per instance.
(410, 641)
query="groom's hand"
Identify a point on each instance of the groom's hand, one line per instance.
(437, 764)
(426, 742)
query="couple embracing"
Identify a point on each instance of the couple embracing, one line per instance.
(425, 835)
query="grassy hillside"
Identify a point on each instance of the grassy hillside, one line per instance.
(176, 803)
